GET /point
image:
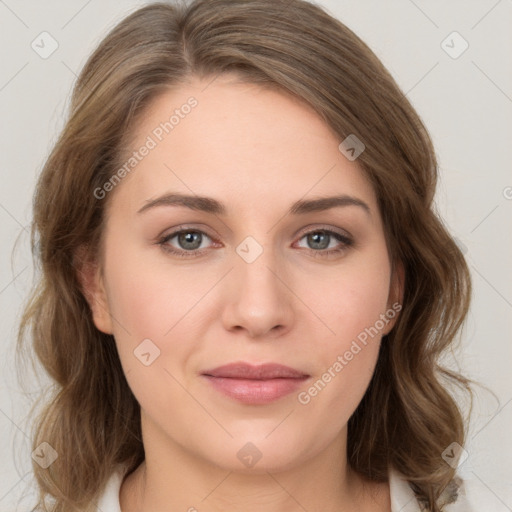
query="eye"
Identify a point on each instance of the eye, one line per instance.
(189, 242)
(326, 242)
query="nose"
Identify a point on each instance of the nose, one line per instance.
(258, 299)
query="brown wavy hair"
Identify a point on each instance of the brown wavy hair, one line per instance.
(407, 417)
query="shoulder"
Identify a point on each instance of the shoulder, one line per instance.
(461, 495)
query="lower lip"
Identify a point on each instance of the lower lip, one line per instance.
(255, 391)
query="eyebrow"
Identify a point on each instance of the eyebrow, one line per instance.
(210, 205)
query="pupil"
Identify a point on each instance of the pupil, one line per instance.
(316, 239)
(187, 239)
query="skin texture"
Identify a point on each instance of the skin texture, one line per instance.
(257, 151)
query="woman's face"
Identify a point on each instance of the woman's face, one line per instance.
(267, 270)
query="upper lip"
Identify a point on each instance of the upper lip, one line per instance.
(242, 370)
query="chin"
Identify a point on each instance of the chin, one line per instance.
(260, 453)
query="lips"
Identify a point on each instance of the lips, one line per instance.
(259, 372)
(255, 384)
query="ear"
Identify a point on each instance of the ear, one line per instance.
(396, 295)
(93, 288)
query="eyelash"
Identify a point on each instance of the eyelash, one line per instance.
(322, 253)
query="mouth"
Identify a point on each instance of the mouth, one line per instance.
(255, 384)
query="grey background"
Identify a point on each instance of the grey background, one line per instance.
(465, 102)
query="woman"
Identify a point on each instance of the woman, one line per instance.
(245, 290)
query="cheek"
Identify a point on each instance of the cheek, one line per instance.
(350, 300)
(350, 303)
(150, 301)
(154, 334)
(156, 304)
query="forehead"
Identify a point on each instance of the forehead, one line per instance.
(212, 137)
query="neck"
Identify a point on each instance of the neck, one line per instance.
(181, 480)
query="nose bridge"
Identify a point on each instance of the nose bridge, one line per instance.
(260, 301)
(258, 272)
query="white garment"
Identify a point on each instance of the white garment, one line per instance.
(456, 497)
